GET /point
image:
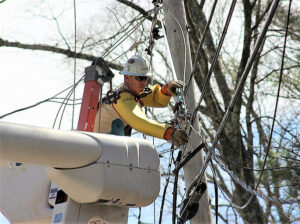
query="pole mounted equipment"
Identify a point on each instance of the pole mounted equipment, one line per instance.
(190, 204)
(95, 76)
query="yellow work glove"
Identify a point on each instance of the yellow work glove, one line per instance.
(179, 137)
(172, 86)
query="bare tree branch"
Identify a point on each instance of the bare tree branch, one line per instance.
(68, 53)
(138, 9)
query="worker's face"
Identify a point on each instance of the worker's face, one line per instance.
(134, 85)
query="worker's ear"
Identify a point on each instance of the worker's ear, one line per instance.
(126, 78)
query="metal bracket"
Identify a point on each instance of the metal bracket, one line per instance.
(98, 71)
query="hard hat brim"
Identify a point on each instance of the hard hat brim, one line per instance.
(134, 74)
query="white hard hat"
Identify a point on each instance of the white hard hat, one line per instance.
(135, 66)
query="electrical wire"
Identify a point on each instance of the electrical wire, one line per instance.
(167, 45)
(175, 189)
(182, 149)
(140, 214)
(215, 57)
(63, 105)
(253, 191)
(125, 36)
(184, 42)
(278, 95)
(119, 22)
(36, 104)
(243, 78)
(185, 90)
(75, 45)
(216, 190)
(66, 99)
(236, 95)
(200, 46)
(151, 43)
(184, 74)
(214, 60)
(166, 186)
(72, 91)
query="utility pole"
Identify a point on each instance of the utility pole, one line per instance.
(183, 67)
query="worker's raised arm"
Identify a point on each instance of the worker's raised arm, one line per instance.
(160, 96)
(157, 98)
(131, 113)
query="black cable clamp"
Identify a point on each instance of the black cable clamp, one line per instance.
(155, 33)
(156, 2)
(188, 157)
(190, 204)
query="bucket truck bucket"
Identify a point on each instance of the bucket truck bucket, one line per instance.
(89, 167)
(126, 174)
(24, 190)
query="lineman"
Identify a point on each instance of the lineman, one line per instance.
(125, 104)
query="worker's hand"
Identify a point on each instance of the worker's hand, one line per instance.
(172, 87)
(180, 137)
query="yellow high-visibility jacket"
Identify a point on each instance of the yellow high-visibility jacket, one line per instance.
(129, 110)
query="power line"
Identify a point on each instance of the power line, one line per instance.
(235, 97)
(125, 36)
(200, 46)
(72, 91)
(36, 104)
(278, 94)
(214, 60)
(166, 186)
(252, 191)
(66, 99)
(75, 45)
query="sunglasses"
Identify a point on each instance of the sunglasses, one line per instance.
(141, 78)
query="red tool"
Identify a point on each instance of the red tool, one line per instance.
(95, 76)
